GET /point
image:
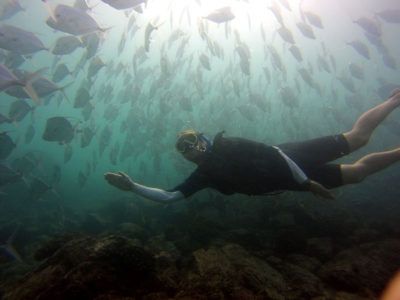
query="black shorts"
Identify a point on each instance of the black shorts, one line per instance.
(312, 156)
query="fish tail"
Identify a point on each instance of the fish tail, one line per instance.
(50, 11)
(28, 88)
(63, 91)
(105, 30)
(10, 249)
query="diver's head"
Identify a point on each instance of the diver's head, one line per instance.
(192, 144)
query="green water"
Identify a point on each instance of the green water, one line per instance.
(163, 81)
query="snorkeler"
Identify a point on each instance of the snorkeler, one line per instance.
(236, 165)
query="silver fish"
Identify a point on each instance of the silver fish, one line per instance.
(6, 145)
(72, 20)
(124, 4)
(61, 72)
(19, 41)
(18, 110)
(296, 53)
(306, 30)
(9, 8)
(9, 80)
(41, 85)
(356, 71)
(390, 15)
(314, 19)
(360, 48)
(205, 62)
(29, 134)
(147, 35)
(66, 45)
(221, 15)
(286, 35)
(58, 129)
(8, 175)
(369, 25)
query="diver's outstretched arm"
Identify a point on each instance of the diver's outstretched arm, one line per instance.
(125, 183)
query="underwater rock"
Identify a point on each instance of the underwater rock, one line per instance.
(309, 263)
(363, 269)
(48, 248)
(320, 248)
(132, 231)
(291, 240)
(231, 269)
(93, 223)
(163, 250)
(303, 284)
(86, 268)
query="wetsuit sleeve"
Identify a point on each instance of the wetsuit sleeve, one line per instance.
(194, 183)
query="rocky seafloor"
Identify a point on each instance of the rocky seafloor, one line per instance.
(217, 249)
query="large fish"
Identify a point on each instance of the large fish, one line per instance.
(61, 72)
(14, 60)
(313, 18)
(221, 15)
(360, 48)
(9, 80)
(81, 4)
(390, 15)
(306, 30)
(58, 129)
(8, 175)
(29, 134)
(18, 110)
(19, 41)
(369, 25)
(82, 98)
(277, 13)
(356, 71)
(68, 151)
(72, 20)
(4, 119)
(9, 8)
(124, 4)
(296, 53)
(147, 35)
(288, 97)
(42, 86)
(38, 188)
(205, 62)
(66, 45)
(95, 65)
(92, 43)
(286, 35)
(87, 136)
(6, 145)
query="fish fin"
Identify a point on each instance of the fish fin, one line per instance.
(62, 90)
(9, 247)
(106, 30)
(28, 88)
(50, 11)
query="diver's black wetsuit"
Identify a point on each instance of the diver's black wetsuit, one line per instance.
(237, 165)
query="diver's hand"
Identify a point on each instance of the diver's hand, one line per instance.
(320, 191)
(120, 180)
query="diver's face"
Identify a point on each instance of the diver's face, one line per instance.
(193, 154)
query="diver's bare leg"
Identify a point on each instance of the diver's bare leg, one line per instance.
(359, 135)
(368, 165)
